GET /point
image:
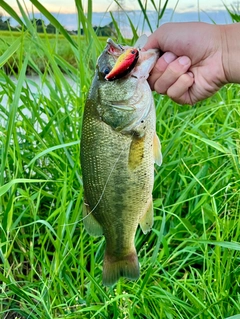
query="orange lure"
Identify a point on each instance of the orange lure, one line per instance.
(124, 64)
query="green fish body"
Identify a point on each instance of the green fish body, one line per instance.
(118, 149)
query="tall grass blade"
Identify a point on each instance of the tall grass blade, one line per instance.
(11, 119)
(162, 11)
(116, 27)
(51, 149)
(235, 16)
(145, 14)
(10, 51)
(6, 187)
(18, 291)
(11, 12)
(211, 143)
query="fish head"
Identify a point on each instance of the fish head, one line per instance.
(124, 99)
(117, 61)
(108, 58)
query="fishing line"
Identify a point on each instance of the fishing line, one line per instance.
(104, 188)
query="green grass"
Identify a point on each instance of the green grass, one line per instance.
(49, 266)
(55, 44)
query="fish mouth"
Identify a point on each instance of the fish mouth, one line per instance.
(114, 48)
(125, 60)
(124, 64)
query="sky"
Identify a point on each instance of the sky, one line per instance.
(177, 10)
(68, 6)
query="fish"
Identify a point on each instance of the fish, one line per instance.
(118, 149)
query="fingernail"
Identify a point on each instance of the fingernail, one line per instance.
(184, 60)
(169, 57)
(190, 74)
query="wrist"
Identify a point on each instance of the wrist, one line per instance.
(231, 52)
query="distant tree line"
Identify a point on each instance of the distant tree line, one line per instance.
(5, 24)
(38, 23)
(105, 31)
(41, 27)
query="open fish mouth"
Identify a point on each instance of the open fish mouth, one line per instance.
(125, 59)
(114, 48)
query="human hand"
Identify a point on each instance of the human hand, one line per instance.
(191, 67)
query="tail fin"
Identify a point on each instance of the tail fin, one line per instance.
(114, 268)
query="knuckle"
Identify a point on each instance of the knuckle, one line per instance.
(160, 86)
(176, 69)
(173, 70)
(186, 79)
(159, 89)
(172, 95)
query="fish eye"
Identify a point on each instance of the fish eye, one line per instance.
(106, 70)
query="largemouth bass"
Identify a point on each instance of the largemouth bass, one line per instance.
(119, 146)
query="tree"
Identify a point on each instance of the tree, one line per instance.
(40, 25)
(50, 28)
(5, 24)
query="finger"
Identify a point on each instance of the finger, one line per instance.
(173, 71)
(163, 61)
(160, 67)
(152, 42)
(179, 91)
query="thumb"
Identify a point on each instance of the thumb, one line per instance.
(152, 43)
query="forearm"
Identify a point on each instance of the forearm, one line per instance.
(231, 51)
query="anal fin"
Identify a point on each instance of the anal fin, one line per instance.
(91, 225)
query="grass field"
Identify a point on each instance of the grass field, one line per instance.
(49, 266)
(57, 45)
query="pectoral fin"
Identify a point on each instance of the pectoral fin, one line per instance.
(146, 221)
(136, 153)
(91, 225)
(157, 150)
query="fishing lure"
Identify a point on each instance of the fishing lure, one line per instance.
(127, 60)
(124, 64)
